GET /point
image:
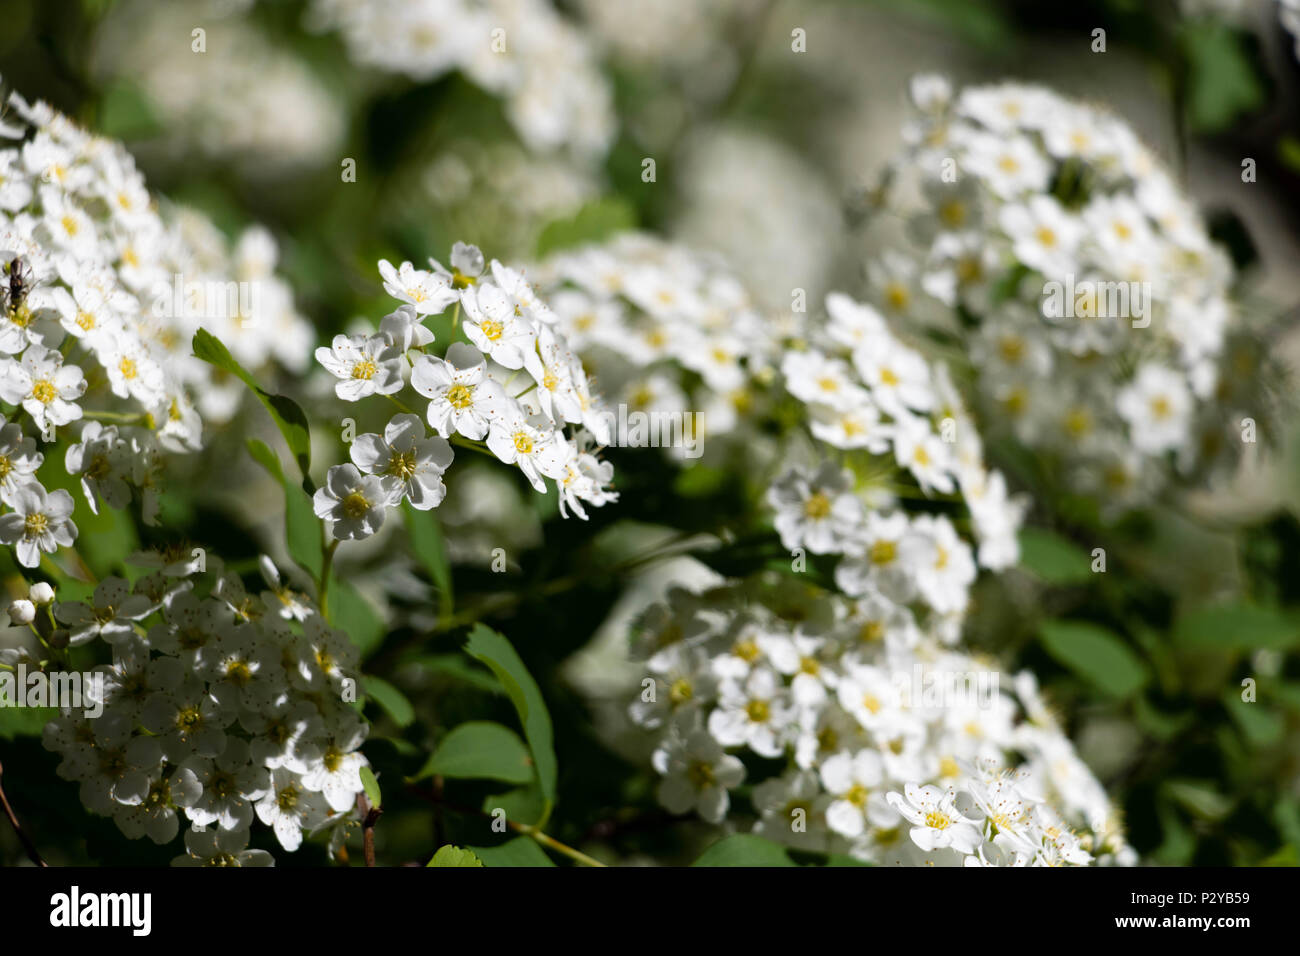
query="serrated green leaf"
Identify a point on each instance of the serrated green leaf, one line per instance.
(371, 786)
(454, 856)
(288, 416)
(521, 851)
(744, 849)
(496, 652)
(1096, 655)
(1053, 558)
(481, 750)
(392, 700)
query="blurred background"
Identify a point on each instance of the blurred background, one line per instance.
(351, 131)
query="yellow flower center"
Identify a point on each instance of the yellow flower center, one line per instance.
(365, 369)
(35, 524)
(883, 552)
(492, 329)
(461, 397)
(817, 506)
(355, 505)
(44, 391)
(523, 443)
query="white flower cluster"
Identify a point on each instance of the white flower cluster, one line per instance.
(665, 329)
(101, 296)
(218, 707)
(520, 50)
(469, 392)
(1051, 246)
(873, 737)
(880, 403)
(242, 100)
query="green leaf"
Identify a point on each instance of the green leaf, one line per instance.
(481, 750)
(301, 526)
(286, 413)
(1198, 797)
(1259, 724)
(744, 849)
(454, 856)
(1096, 655)
(126, 113)
(371, 785)
(353, 614)
(495, 651)
(25, 721)
(522, 804)
(521, 851)
(1236, 627)
(1222, 81)
(392, 700)
(1053, 558)
(430, 547)
(594, 222)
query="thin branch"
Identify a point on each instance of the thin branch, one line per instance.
(23, 838)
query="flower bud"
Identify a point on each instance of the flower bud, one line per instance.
(41, 593)
(22, 612)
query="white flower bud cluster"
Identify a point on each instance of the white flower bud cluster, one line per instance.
(101, 295)
(888, 745)
(220, 706)
(472, 398)
(1056, 250)
(521, 50)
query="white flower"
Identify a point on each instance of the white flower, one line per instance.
(755, 714)
(352, 503)
(529, 442)
(697, 774)
(936, 822)
(149, 801)
(111, 615)
(818, 511)
(428, 293)
(897, 376)
(1158, 408)
(410, 465)
(105, 462)
(205, 847)
(850, 779)
(44, 386)
(496, 325)
(19, 459)
(366, 365)
(40, 523)
(289, 807)
(463, 397)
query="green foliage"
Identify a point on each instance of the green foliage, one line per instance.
(482, 750)
(597, 220)
(285, 412)
(492, 649)
(1053, 558)
(1095, 654)
(454, 856)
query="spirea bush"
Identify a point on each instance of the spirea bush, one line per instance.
(1044, 241)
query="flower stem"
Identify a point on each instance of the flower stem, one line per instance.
(323, 586)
